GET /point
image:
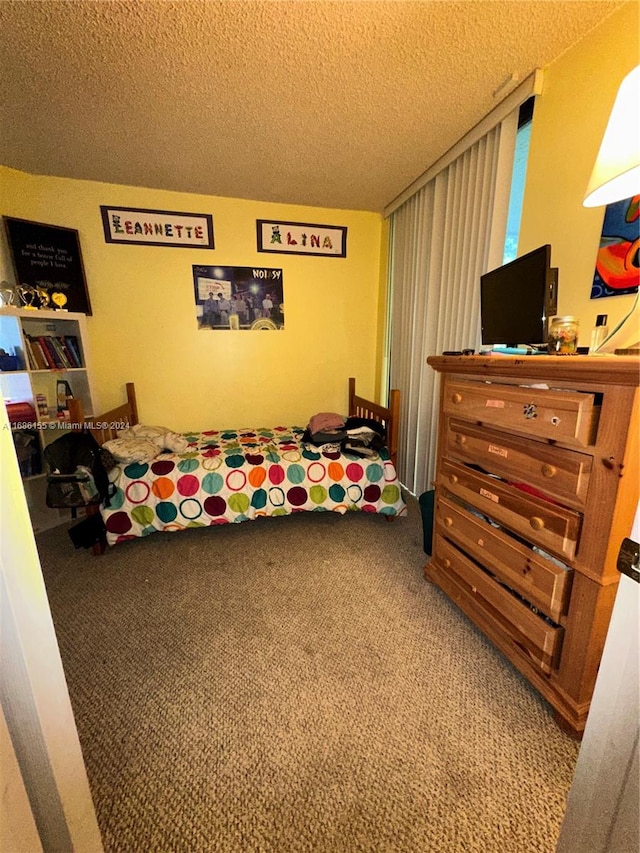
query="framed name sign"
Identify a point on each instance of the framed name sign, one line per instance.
(139, 226)
(47, 261)
(301, 238)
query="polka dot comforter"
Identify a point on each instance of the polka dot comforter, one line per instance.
(231, 476)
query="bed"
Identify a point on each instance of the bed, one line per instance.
(235, 475)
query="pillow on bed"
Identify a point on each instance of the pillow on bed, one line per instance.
(148, 431)
(132, 449)
(163, 438)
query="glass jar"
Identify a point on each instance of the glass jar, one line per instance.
(563, 335)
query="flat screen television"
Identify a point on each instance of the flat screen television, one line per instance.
(517, 300)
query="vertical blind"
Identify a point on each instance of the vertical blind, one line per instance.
(443, 238)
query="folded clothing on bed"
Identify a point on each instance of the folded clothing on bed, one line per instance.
(365, 437)
(361, 436)
(325, 422)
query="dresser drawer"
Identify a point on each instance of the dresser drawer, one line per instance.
(554, 528)
(567, 416)
(544, 584)
(560, 473)
(534, 635)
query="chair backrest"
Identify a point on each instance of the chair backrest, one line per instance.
(75, 473)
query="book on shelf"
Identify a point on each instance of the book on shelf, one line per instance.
(72, 344)
(50, 353)
(68, 354)
(34, 350)
(54, 350)
(59, 348)
(30, 356)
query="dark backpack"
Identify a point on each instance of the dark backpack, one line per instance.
(76, 475)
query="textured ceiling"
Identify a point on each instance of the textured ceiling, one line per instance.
(331, 104)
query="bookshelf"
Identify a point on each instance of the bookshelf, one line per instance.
(44, 359)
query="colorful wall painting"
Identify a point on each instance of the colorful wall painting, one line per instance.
(618, 261)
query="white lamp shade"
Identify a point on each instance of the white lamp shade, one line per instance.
(616, 174)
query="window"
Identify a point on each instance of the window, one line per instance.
(525, 118)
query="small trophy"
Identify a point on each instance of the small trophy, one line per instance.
(29, 296)
(59, 300)
(7, 294)
(43, 296)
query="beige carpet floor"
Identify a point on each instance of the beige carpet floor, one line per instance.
(294, 685)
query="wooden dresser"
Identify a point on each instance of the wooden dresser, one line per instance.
(536, 487)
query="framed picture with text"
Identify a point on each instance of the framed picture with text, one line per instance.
(301, 238)
(47, 260)
(140, 226)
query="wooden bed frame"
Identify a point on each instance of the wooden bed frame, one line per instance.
(105, 426)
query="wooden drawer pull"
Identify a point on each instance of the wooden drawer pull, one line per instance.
(460, 439)
(536, 522)
(549, 470)
(453, 479)
(456, 397)
(446, 563)
(447, 521)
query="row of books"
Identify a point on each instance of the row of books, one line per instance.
(50, 352)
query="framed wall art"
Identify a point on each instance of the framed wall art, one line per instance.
(47, 262)
(301, 238)
(139, 226)
(63, 392)
(238, 298)
(616, 271)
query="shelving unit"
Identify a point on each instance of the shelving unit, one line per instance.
(32, 339)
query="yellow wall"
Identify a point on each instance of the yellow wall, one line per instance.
(144, 329)
(568, 123)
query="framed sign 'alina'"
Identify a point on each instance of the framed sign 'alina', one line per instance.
(301, 238)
